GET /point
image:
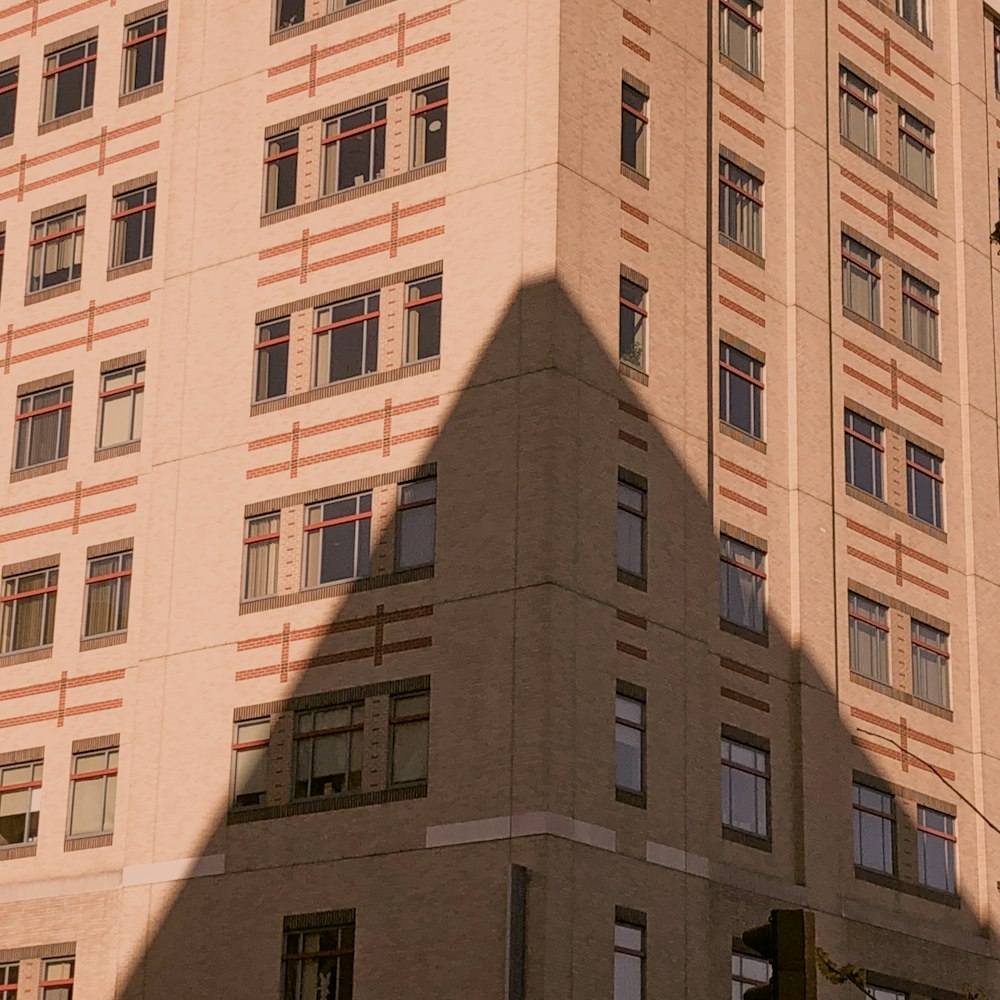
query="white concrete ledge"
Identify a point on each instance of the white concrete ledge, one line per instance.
(173, 871)
(522, 825)
(675, 858)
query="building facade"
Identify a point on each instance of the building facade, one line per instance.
(388, 608)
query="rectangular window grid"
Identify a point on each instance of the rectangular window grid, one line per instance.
(319, 963)
(345, 340)
(630, 739)
(416, 524)
(630, 961)
(741, 206)
(354, 149)
(8, 980)
(936, 849)
(42, 426)
(121, 398)
(8, 101)
(251, 740)
(338, 540)
(632, 529)
(920, 316)
(923, 486)
(741, 391)
(93, 790)
(260, 556)
(430, 124)
(20, 797)
(144, 50)
(748, 972)
(57, 979)
(632, 318)
(742, 580)
(68, 80)
(108, 587)
(874, 829)
(422, 312)
(929, 648)
(863, 454)
(868, 633)
(916, 151)
(635, 129)
(914, 12)
(132, 226)
(329, 749)
(740, 33)
(860, 280)
(288, 12)
(271, 359)
(56, 251)
(28, 610)
(281, 170)
(745, 777)
(409, 737)
(858, 112)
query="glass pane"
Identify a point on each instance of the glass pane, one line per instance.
(628, 758)
(415, 545)
(87, 806)
(250, 777)
(409, 751)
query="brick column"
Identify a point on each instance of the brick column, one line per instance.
(374, 776)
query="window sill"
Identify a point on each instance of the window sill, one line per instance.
(637, 799)
(26, 656)
(7, 140)
(633, 175)
(758, 638)
(116, 451)
(295, 30)
(909, 519)
(738, 248)
(746, 839)
(133, 267)
(893, 882)
(903, 696)
(348, 385)
(339, 197)
(335, 590)
(631, 580)
(71, 119)
(103, 641)
(140, 95)
(51, 293)
(632, 373)
(737, 435)
(874, 161)
(87, 841)
(741, 71)
(18, 851)
(254, 814)
(19, 475)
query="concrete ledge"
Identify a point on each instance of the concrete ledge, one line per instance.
(523, 825)
(173, 871)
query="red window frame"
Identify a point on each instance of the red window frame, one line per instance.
(752, 379)
(78, 62)
(108, 772)
(363, 318)
(847, 255)
(270, 537)
(139, 39)
(54, 236)
(134, 387)
(261, 344)
(930, 647)
(846, 88)
(427, 299)
(145, 207)
(730, 561)
(871, 811)
(931, 831)
(742, 14)
(360, 516)
(736, 766)
(57, 983)
(328, 140)
(929, 306)
(917, 467)
(919, 139)
(858, 616)
(107, 576)
(271, 157)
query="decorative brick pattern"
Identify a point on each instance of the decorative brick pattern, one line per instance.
(892, 208)
(60, 688)
(895, 376)
(906, 734)
(899, 551)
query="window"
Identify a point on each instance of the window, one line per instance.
(874, 829)
(68, 80)
(635, 126)
(329, 748)
(430, 124)
(923, 485)
(423, 320)
(281, 170)
(416, 516)
(742, 584)
(631, 529)
(250, 748)
(630, 961)
(868, 637)
(930, 664)
(632, 317)
(260, 558)
(745, 781)
(741, 391)
(354, 149)
(56, 251)
(20, 797)
(748, 972)
(741, 206)
(57, 979)
(43, 426)
(28, 610)
(996, 59)
(319, 963)
(338, 538)
(144, 48)
(345, 338)
(122, 394)
(920, 315)
(8, 981)
(858, 111)
(271, 359)
(860, 279)
(916, 151)
(914, 12)
(863, 450)
(409, 733)
(876, 993)
(93, 786)
(739, 33)
(8, 103)
(3, 248)
(132, 221)
(936, 849)
(630, 740)
(108, 584)
(288, 12)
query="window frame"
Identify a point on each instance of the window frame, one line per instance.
(865, 99)
(738, 976)
(754, 379)
(756, 572)
(262, 350)
(762, 785)
(245, 746)
(8, 86)
(47, 985)
(949, 839)
(622, 722)
(420, 304)
(275, 157)
(121, 589)
(752, 17)
(360, 515)
(633, 322)
(871, 273)
(942, 652)
(629, 952)
(402, 507)
(331, 164)
(350, 729)
(877, 446)
(910, 137)
(276, 23)
(636, 116)
(887, 823)
(417, 114)
(922, 22)
(51, 70)
(137, 390)
(855, 614)
(120, 218)
(370, 321)
(104, 775)
(741, 206)
(253, 542)
(27, 418)
(641, 515)
(293, 991)
(9, 621)
(38, 245)
(924, 299)
(30, 786)
(407, 720)
(934, 476)
(131, 43)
